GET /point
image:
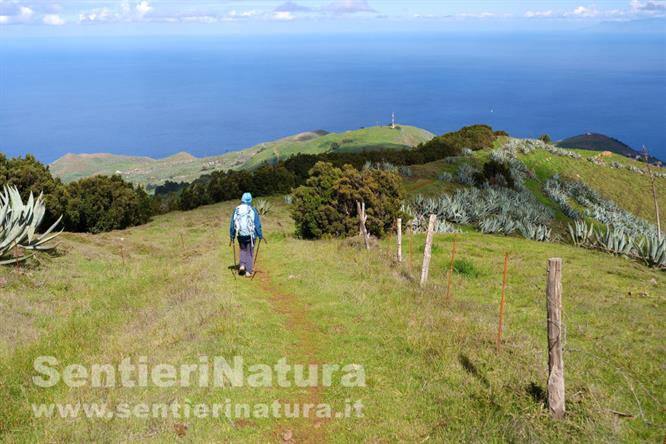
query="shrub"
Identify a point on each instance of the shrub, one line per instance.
(474, 137)
(31, 176)
(495, 173)
(545, 138)
(103, 203)
(326, 204)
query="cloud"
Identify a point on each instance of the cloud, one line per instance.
(649, 6)
(583, 11)
(480, 15)
(348, 7)
(13, 12)
(53, 20)
(290, 6)
(103, 15)
(129, 12)
(533, 14)
(236, 15)
(143, 8)
(283, 16)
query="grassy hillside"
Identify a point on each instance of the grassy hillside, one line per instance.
(630, 190)
(432, 371)
(184, 167)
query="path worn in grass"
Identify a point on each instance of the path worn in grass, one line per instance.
(304, 350)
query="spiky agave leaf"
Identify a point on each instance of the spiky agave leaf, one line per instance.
(652, 251)
(19, 223)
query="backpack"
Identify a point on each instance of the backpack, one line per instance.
(244, 220)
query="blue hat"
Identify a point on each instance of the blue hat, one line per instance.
(247, 198)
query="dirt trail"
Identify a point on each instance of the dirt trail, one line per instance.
(303, 351)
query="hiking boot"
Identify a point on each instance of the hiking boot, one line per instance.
(241, 270)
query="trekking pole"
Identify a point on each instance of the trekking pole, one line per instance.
(233, 246)
(254, 263)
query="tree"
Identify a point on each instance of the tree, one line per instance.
(31, 176)
(326, 204)
(103, 203)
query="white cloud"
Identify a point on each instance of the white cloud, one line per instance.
(143, 8)
(12, 11)
(476, 15)
(128, 12)
(283, 16)
(188, 18)
(97, 15)
(236, 15)
(532, 14)
(53, 20)
(25, 12)
(583, 11)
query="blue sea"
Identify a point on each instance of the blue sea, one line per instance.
(156, 96)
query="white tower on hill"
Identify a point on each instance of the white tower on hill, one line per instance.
(393, 120)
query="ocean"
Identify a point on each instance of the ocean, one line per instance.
(156, 96)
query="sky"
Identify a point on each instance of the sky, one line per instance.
(118, 17)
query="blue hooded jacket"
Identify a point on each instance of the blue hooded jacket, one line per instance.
(246, 200)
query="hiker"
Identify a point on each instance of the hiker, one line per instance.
(246, 225)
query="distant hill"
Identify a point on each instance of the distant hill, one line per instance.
(600, 142)
(184, 167)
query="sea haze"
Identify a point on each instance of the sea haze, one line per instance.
(207, 95)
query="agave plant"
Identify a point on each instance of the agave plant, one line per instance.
(581, 233)
(535, 232)
(491, 210)
(614, 240)
(466, 174)
(442, 226)
(18, 226)
(263, 206)
(652, 250)
(498, 224)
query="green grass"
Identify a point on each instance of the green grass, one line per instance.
(631, 191)
(185, 168)
(163, 290)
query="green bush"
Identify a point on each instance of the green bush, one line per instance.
(474, 137)
(495, 173)
(326, 204)
(103, 203)
(31, 176)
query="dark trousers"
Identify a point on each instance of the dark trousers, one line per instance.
(246, 245)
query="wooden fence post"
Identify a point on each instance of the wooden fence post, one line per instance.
(501, 311)
(399, 240)
(453, 258)
(362, 218)
(427, 251)
(555, 364)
